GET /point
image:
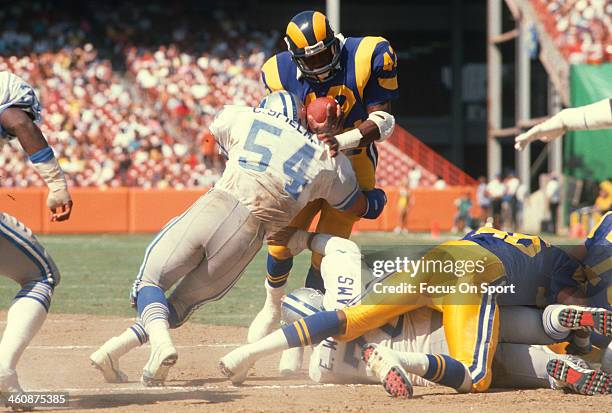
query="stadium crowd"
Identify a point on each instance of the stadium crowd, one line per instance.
(143, 127)
(580, 28)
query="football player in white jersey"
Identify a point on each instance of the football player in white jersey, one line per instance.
(274, 168)
(22, 257)
(402, 342)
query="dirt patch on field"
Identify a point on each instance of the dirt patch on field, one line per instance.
(58, 360)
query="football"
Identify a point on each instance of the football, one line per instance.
(318, 108)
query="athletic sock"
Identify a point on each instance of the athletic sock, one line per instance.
(134, 336)
(552, 326)
(270, 344)
(278, 271)
(274, 295)
(312, 329)
(154, 313)
(438, 368)
(24, 319)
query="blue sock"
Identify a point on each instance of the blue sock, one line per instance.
(152, 304)
(314, 280)
(312, 329)
(278, 271)
(445, 370)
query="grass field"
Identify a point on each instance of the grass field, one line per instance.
(98, 271)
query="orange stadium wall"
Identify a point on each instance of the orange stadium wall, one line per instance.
(131, 210)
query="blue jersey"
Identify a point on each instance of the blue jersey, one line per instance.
(598, 263)
(367, 76)
(537, 269)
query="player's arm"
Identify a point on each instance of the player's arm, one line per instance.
(377, 128)
(590, 117)
(17, 123)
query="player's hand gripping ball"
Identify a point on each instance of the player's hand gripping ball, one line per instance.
(325, 116)
(325, 119)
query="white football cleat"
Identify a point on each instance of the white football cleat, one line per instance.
(162, 358)
(235, 365)
(9, 385)
(386, 365)
(108, 365)
(291, 361)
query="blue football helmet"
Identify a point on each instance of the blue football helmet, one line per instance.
(286, 103)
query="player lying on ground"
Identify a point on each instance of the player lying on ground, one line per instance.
(590, 117)
(414, 335)
(360, 73)
(274, 167)
(22, 258)
(471, 320)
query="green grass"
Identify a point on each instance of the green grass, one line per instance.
(98, 270)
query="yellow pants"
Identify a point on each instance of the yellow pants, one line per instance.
(333, 221)
(471, 320)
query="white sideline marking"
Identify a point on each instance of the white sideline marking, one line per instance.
(171, 389)
(86, 347)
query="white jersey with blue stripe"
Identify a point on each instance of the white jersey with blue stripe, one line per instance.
(275, 167)
(16, 92)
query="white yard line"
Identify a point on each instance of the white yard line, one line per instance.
(89, 347)
(172, 389)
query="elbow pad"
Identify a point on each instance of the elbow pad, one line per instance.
(376, 200)
(385, 122)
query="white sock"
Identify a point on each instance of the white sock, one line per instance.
(119, 345)
(415, 363)
(272, 343)
(158, 331)
(274, 296)
(552, 326)
(24, 319)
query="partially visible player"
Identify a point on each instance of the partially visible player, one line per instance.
(360, 73)
(391, 366)
(596, 288)
(590, 117)
(22, 258)
(532, 271)
(275, 166)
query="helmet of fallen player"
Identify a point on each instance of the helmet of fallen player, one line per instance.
(299, 304)
(313, 45)
(286, 103)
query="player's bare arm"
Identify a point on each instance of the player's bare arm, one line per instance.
(376, 128)
(17, 123)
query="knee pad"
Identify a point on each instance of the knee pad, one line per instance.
(38, 291)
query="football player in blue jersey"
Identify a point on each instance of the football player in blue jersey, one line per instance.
(508, 269)
(360, 73)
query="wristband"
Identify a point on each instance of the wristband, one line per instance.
(349, 139)
(376, 201)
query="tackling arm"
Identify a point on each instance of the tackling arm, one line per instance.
(17, 123)
(594, 116)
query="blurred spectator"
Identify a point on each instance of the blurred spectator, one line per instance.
(484, 203)
(414, 177)
(462, 217)
(603, 203)
(512, 184)
(553, 196)
(495, 192)
(580, 28)
(439, 184)
(405, 202)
